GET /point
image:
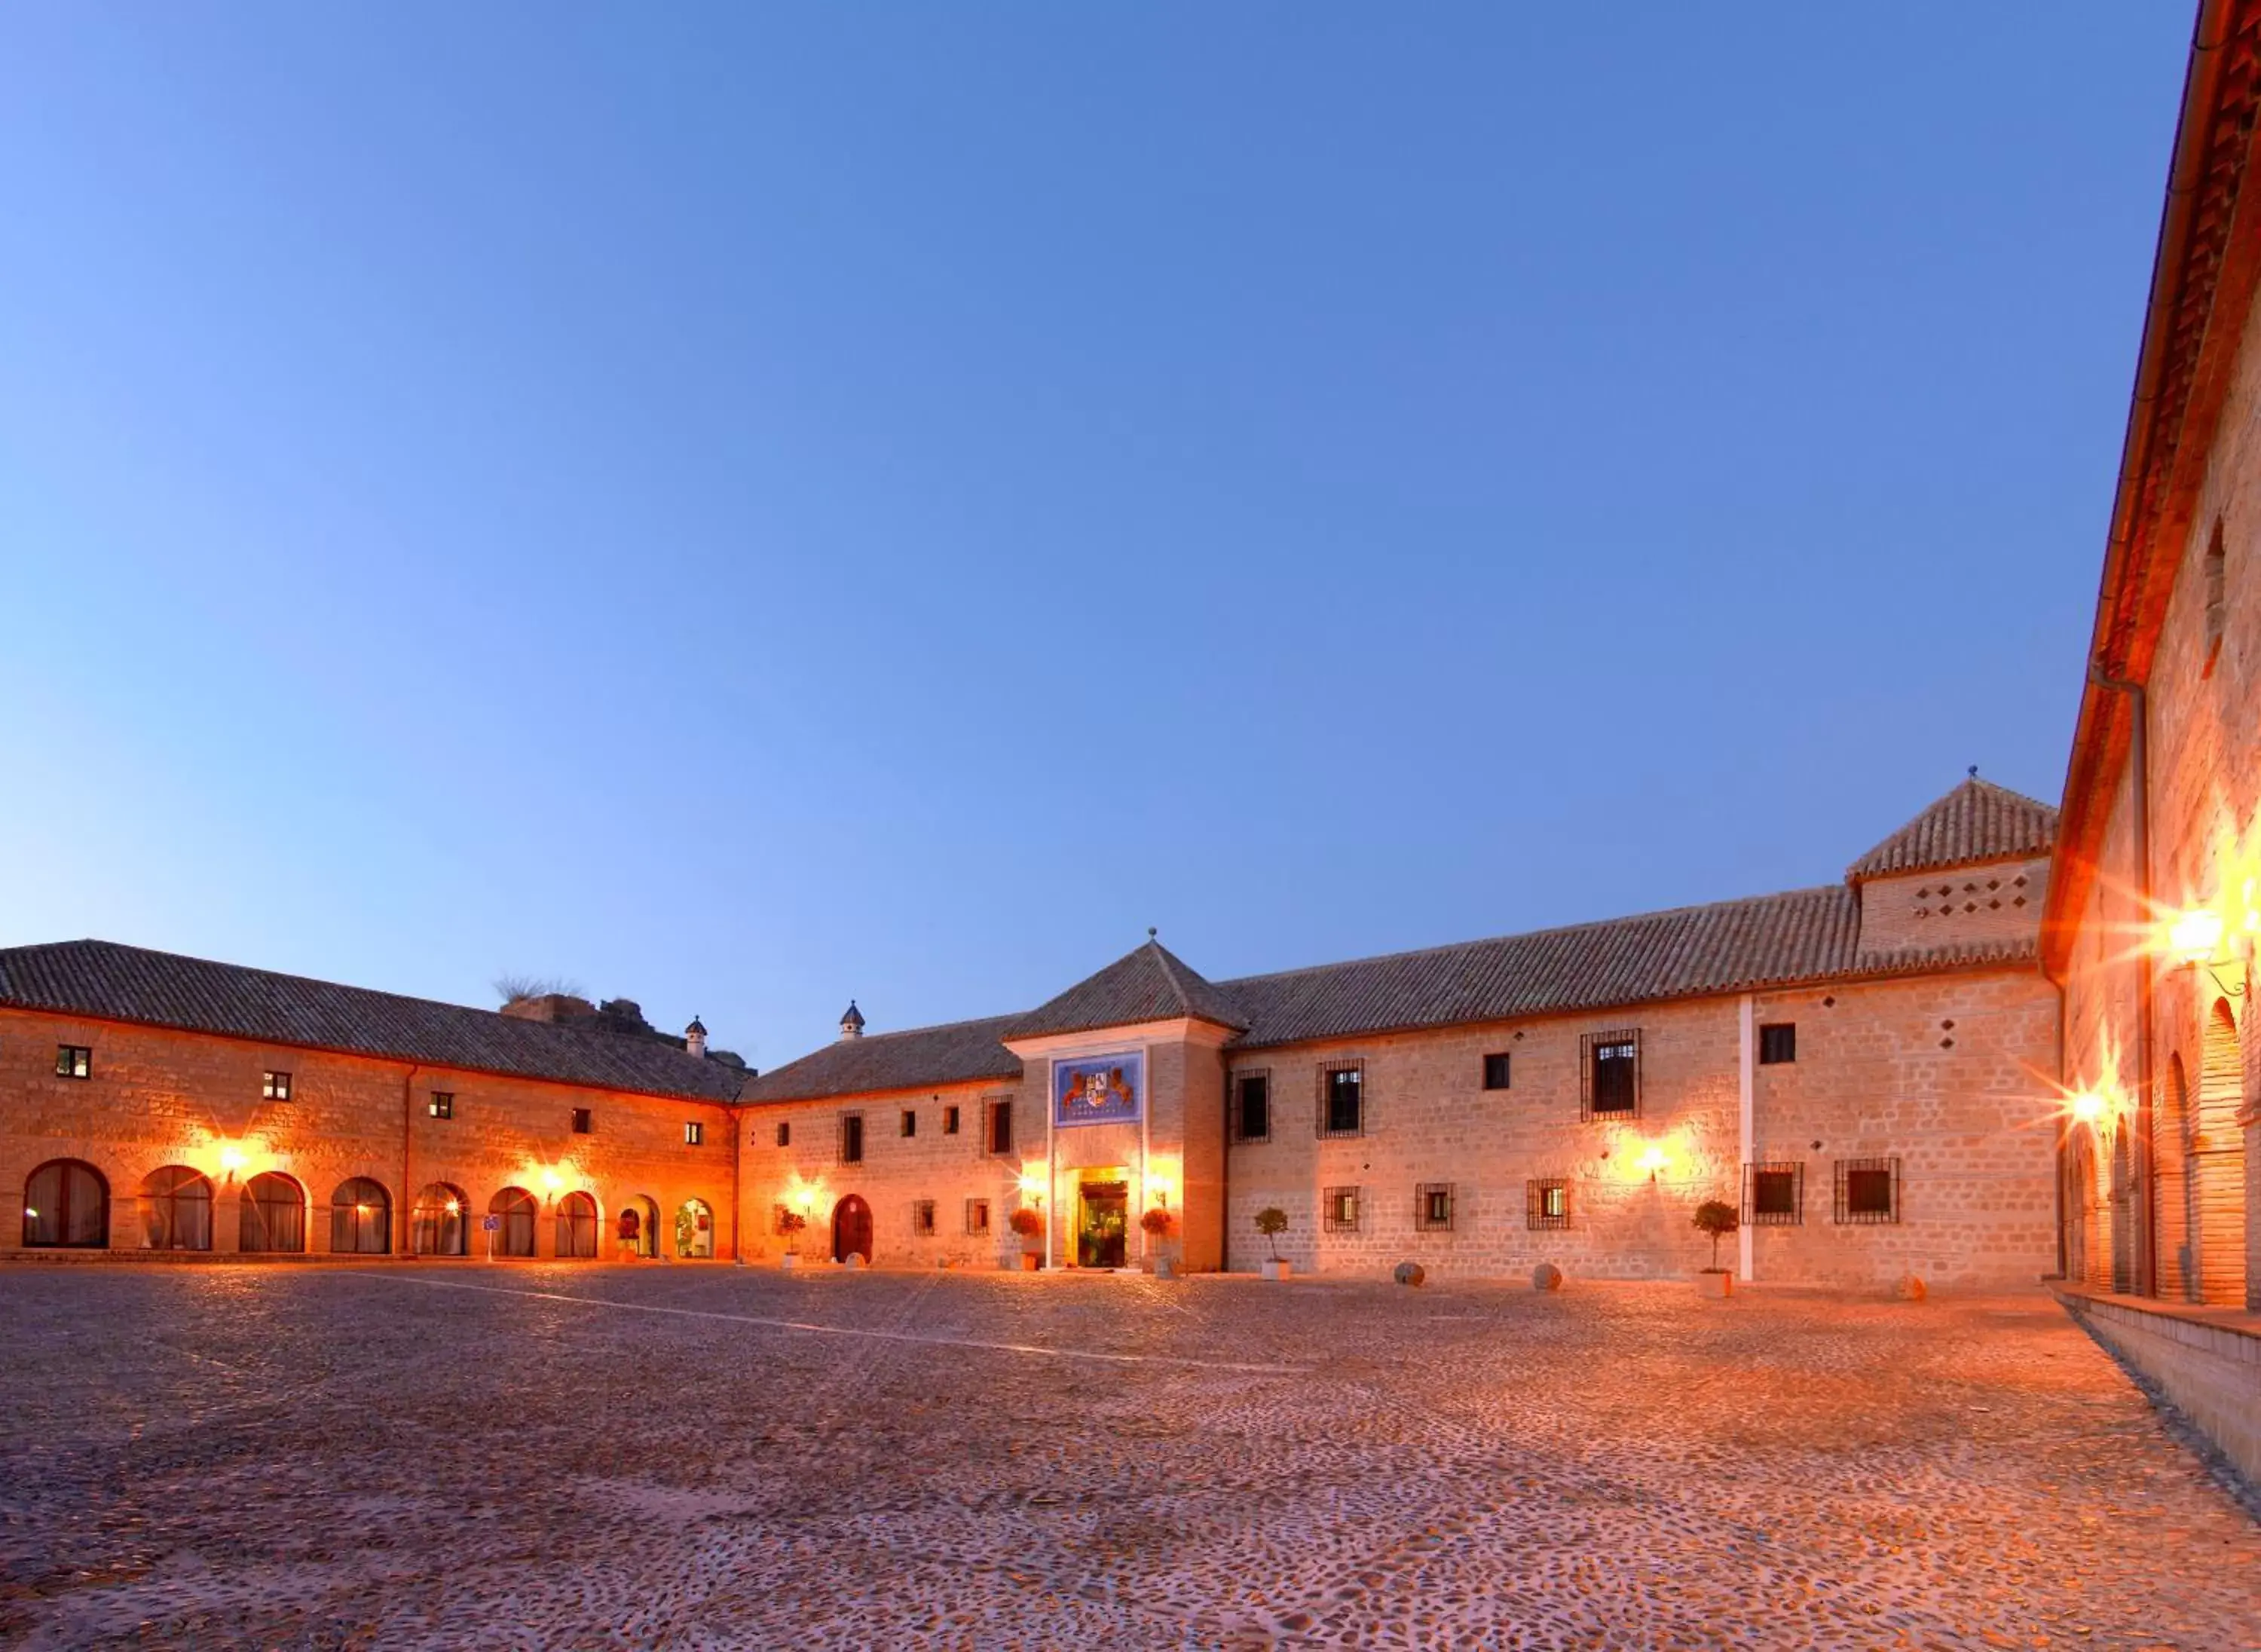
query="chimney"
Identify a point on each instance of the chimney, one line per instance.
(852, 1024)
(694, 1037)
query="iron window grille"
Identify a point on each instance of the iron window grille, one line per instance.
(950, 1121)
(1774, 1195)
(785, 1132)
(442, 1104)
(1433, 1208)
(694, 1134)
(274, 1087)
(1777, 1042)
(1498, 1071)
(1339, 1212)
(977, 1217)
(1251, 1105)
(1609, 1075)
(1547, 1204)
(1001, 1129)
(852, 1138)
(923, 1216)
(582, 1121)
(911, 1122)
(74, 1061)
(1868, 1190)
(1342, 1099)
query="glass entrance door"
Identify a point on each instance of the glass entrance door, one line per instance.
(1103, 1237)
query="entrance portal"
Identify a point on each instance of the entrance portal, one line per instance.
(852, 1229)
(1103, 1237)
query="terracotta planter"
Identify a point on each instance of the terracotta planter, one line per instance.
(789, 1262)
(1719, 1283)
(1165, 1268)
(1279, 1268)
(1030, 1261)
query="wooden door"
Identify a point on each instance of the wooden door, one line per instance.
(852, 1229)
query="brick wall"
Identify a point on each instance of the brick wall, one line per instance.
(1971, 904)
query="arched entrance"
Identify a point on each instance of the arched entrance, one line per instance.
(67, 1204)
(2217, 1166)
(852, 1229)
(2123, 1210)
(576, 1227)
(2171, 1182)
(361, 1219)
(2079, 1203)
(273, 1215)
(639, 1227)
(515, 1209)
(437, 1226)
(694, 1229)
(176, 1210)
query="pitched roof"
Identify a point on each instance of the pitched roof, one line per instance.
(1976, 820)
(959, 1052)
(1147, 983)
(105, 979)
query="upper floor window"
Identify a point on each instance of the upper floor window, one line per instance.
(1252, 1107)
(1342, 1099)
(2217, 596)
(694, 1133)
(442, 1104)
(785, 1132)
(1611, 1072)
(1777, 1042)
(274, 1087)
(1497, 1070)
(852, 1138)
(582, 1121)
(910, 1121)
(74, 1061)
(1001, 1128)
(950, 1121)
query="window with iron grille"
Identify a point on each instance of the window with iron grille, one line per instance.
(1252, 1106)
(852, 1138)
(977, 1217)
(785, 1132)
(1777, 1042)
(1342, 1099)
(694, 1134)
(442, 1104)
(582, 1121)
(1609, 1072)
(274, 1087)
(950, 1121)
(1868, 1190)
(1340, 1210)
(1774, 1196)
(1432, 1207)
(923, 1216)
(1001, 1129)
(1497, 1071)
(1547, 1203)
(74, 1061)
(910, 1121)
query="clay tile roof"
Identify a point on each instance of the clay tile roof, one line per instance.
(1148, 983)
(1978, 820)
(111, 982)
(956, 1053)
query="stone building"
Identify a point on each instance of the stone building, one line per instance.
(2155, 898)
(1860, 1067)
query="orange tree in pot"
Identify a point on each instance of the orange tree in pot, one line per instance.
(1156, 1222)
(1027, 1224)
(1716, 1218)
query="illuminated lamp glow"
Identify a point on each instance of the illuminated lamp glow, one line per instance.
(2087, 1107)
(2196, 936)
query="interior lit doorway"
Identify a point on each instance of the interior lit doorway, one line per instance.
(1102, 1230)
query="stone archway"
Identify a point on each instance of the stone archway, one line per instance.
(2216, 1166)
(2079, 1204)
(852, 1229)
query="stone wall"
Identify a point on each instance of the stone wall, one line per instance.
(2208, 1364)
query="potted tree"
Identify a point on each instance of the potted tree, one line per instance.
(791, 1222)
(1272, 1222)
(1716, 1218)
(1156, 1223)
(1029, 1226)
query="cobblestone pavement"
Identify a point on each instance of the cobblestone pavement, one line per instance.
(533, 1455)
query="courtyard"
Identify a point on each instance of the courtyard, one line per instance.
(705, 1456)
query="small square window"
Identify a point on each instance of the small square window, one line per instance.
(785, 1132)
(1432, 1207)
(1777, 1042)
(1868, 1190)
(977, 1217)
(694, 1134)
(950, 1121)
(1610, 1075)
(1001, 1129)
(923, 1216)
(1495, 1071)
(442, 1104)
(274, 1087)
(1340, 1211)
(852, 1138)
(1547, 1204)
(74, 1061)
(582, 1121)
(1774, 1196)
(1252, 1107)
(1342, 1100)
(910, 1121)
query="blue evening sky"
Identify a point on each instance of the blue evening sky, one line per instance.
(741, 505)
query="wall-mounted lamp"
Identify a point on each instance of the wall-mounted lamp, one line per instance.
(231, 1160)
(2193, 940)
(1654, 1161)
(2087, 1107)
